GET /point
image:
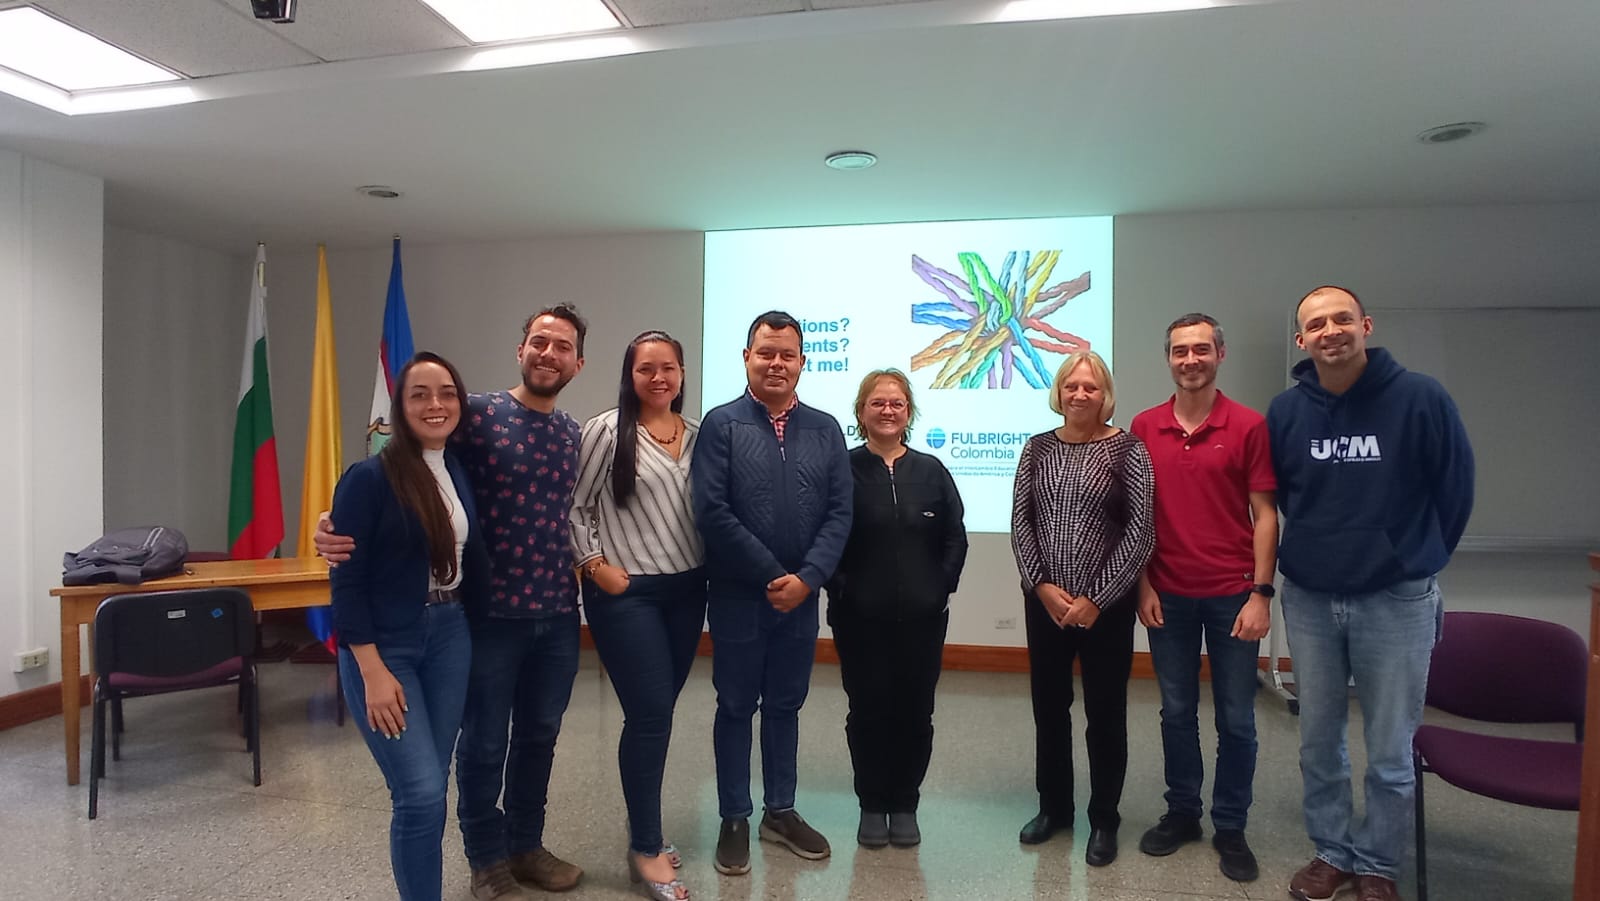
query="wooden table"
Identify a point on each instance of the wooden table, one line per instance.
(271, 584)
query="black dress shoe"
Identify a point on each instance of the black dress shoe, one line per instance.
(1102, 847)
(1041, 827)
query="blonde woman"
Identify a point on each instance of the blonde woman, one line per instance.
(1082, 528)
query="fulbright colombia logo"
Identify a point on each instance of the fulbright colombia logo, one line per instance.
(935, 438)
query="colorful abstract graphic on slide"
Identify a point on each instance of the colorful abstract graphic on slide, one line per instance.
(978, 314)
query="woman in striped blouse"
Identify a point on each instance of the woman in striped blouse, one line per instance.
(644, 586)
(1082, 527)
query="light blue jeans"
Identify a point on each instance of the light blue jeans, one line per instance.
(1383, 640)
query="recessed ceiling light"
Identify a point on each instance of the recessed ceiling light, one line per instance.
(1444, 134)
(1034, 10)
(50, 50)
(482, 21)
(382, 192)
(849, 160)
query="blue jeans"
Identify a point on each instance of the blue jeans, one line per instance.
(1175, 654)
(647, 638)
(522, 672)
(431, 663)
(760, 659)
(1384, 641)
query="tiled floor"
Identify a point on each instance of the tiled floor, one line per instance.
(179, 819)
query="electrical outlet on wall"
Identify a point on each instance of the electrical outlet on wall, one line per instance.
(33, 659)
(1005, 622)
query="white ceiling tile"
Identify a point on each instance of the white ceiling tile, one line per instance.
(357, 29)
(194, 37)
(644, 13)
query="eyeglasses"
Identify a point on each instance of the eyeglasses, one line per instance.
(881, 405)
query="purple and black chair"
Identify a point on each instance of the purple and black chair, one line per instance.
(1496, 668)
(160, 642)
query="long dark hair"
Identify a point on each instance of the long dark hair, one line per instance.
(625, 463)
(409, 476)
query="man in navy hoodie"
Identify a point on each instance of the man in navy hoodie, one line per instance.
(773, 500)
(1375, 483)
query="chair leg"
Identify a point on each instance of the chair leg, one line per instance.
(97, 750)
(244, 711)
(1422, 831)
(116, 727)
(338, 695)
(254, 725)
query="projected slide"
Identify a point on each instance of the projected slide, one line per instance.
(978, 314)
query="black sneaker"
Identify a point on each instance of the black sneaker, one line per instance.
(1173, 832)
(1236, 860)
(789, 830)
(733, 848)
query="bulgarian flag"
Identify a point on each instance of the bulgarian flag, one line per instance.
(394, 349)
(255, 503)
(324, 457)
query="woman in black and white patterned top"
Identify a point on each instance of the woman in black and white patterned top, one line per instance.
(1082, 527)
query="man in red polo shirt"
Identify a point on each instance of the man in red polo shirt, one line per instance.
(1211, 578)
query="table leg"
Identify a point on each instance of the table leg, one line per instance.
(70, 665)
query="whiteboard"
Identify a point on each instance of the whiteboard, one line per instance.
(1526, 382)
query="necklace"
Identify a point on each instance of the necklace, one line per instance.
(677, 431)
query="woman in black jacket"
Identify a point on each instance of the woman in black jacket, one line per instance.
(888, 606)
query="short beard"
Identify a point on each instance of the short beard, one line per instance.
(541, 391)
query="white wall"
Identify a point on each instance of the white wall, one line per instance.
(468, 302)
(51, 231)
(174, 320)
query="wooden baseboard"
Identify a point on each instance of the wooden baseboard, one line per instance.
(978, 658)
(36, 704)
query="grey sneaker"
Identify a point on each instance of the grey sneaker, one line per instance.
(903, 831)
(873, 831)
(785, 827)
(495, 883)
(733, 848)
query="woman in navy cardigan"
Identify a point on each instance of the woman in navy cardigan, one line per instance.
(404, 650)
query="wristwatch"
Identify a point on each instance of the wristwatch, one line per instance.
(594, 564)
(1265, 589)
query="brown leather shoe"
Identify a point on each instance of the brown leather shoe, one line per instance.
(788, 829)
(1318, 881)
(1376, 888)
(545, 870)
(495, 883)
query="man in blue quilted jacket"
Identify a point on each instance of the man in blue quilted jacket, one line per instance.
(772, 498)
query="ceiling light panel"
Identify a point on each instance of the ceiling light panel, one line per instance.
(55, 53)
(483, 21)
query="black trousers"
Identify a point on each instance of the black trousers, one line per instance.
(1105, 652)
(890, 670)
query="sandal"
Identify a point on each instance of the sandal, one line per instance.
(656, 891)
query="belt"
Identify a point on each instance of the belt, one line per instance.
(444, 596)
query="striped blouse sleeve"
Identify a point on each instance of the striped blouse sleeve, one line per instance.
(1024, 535)
(596, 449)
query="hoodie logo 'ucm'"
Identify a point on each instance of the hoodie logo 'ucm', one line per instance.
(1347, 449)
